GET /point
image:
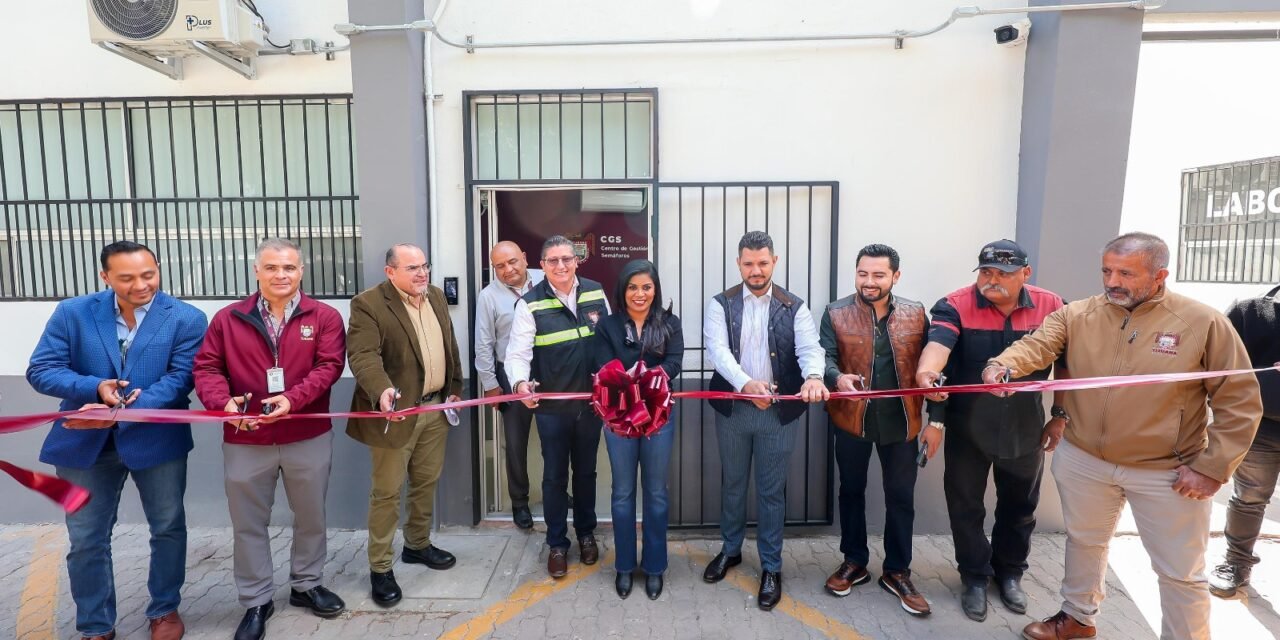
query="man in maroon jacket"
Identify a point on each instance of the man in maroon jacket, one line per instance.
(276, 353)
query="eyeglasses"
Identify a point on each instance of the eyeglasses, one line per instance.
(417, 268)
(566, 261)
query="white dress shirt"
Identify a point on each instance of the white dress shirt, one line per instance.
(518, 360)
(756, 364)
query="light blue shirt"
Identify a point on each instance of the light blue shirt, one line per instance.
(755, 364)
(123, 333)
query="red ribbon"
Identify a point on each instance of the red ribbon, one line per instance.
(633, 403)
(642, 411)
(67, 495)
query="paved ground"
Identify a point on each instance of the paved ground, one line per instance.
(500, 590)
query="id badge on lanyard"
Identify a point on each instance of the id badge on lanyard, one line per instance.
(275, 375)
(275, 380)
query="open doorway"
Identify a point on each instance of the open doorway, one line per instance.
(609, 226)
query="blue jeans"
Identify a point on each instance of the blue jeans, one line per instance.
(568, 439)
(89, 561)
(653, 457)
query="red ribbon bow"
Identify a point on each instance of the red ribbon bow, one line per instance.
(632, 402)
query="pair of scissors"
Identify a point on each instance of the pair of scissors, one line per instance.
(387, 427)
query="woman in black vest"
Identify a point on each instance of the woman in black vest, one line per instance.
(643, 330)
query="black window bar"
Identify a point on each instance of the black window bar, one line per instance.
(1228, 230)
(200, 180)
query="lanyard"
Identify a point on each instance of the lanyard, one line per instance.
(274, 332)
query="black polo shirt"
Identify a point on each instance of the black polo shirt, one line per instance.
(976, 331)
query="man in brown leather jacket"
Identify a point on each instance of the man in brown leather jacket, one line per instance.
(873, 340)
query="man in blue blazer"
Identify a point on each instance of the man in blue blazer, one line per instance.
(131, 345)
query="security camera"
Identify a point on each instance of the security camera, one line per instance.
(1013, 35)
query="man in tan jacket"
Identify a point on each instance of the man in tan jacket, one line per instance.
(1151, 445)
(403, 354)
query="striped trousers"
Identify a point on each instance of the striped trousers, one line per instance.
(746, 437)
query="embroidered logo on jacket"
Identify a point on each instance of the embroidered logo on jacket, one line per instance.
(1166, 343)
(308, 332)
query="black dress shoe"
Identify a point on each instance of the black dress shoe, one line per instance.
(253, 626)
(653, 586)
(770, 590)
(432, 556)
(719, 566)
(973, 600)
(1012, 595)
(622, 582)
(386, 592)
(522, 517)
(319, 600)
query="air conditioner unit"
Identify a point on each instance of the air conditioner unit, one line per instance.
(613, 200)
(176, 28)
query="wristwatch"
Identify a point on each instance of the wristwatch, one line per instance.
(1057, 411)
(813, 376)
(942, 428)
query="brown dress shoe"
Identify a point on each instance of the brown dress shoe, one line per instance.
(899, 584)
(558, 563)
(1060, 627)
(848, 576)
(589, 549)
(167, 627)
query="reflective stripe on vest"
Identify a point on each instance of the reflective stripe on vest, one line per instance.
(550, 303)
(557, 337)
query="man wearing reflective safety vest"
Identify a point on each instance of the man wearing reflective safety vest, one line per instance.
(549, 349)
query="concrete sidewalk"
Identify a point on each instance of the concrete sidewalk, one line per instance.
(499, 589)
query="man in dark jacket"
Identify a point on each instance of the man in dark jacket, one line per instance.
(1007, 435)
(275, 353)
(1254, 481)
(873, 340)
(550, 344)
(403, 354)
(762, 340)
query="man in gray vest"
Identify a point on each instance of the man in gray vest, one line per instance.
(495, 307)
(762, 340)
(550, 348)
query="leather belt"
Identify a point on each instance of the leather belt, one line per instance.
(429, 398)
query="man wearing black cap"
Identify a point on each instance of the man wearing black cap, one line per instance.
(970, 326)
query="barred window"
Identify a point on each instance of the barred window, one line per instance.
(1230, 214)
(578, 136)
(199, 180)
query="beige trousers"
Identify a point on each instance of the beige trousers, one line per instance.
(1174, 531)
(419, 462)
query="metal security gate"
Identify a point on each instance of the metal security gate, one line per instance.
(696, 230)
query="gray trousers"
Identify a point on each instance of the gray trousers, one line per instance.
(751, 437)
(251, 473)
(1255, 483)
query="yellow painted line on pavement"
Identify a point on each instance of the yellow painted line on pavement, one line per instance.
(40, 591)
(807, 615)
(527, 595)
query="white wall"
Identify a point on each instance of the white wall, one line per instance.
(923, 140)
(1197, 104)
